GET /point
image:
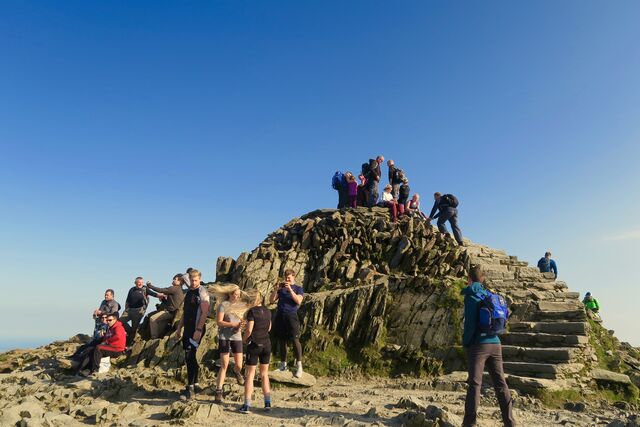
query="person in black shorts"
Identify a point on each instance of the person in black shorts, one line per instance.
(194, 317)
(286, 324)
(256, 335)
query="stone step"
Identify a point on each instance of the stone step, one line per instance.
(564, 328)
(534, 385)
(571, 316)
(537, 339)
(567, 310)
(541, 370)
(514, 353)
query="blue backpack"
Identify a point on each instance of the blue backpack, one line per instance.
(493, 315)
(336, 181)
(544, 265)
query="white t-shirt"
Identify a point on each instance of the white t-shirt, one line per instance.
(387, 197)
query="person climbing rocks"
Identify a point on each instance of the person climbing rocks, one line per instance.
(256, 335)
(171, 299)
(590, 303)
(546, 264)
(194, 317)
(289, 296)
(134, 308)
(447, 210)
(482, 350)
(229, 312)
(388, 201)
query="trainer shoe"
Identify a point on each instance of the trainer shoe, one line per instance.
(267, 406)
(239, 377)
(244, 409)
(299, 371)
(283, 366)
(218, 396)
(188, 394)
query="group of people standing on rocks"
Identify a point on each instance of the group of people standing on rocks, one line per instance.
(396, 195)
(243, 321)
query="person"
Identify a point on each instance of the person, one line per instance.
(590, 303)
(229, 312)
(363, 194)
(339, 183)
(402, 196)
(546, 264)
(286, 322)
(413, 207)
(447, 207)
(99, 332)
(373, 179)
(482, 350)
(134, 308)
(171, 301)
(112, 345)
(107, 306)
(352, 190)
(194, 318)
(256, 335)
(388, 201)
(395, 178)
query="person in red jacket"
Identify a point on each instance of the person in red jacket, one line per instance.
(114, 342)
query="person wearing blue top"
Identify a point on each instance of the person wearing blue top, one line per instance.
(286, 325)
(482, 350)
(546, 264)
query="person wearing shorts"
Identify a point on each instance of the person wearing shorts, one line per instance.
(230, 308)
(256, 336)
(286, 324)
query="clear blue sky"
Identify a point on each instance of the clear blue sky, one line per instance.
(139, 138)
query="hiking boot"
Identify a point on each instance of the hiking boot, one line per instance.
(283, 366)
(239, 377)
(299, 371)
(197, 388)
(267, 406)
(244, 409)
(217, 396)
(188, 394)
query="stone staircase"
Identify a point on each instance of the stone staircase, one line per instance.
(547, 345)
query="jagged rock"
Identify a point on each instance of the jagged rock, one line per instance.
(412, 402)
(193, 411)
(286, 377)
(603, 375)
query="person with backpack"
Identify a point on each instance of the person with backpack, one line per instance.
(373, 174)
(403, 193)
(485, 316)
(546, 264)
(395, 178)
(590, 303)
(134, 308)
(447, 207)
(339, 183)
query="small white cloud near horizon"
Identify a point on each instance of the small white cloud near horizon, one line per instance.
(627, 235)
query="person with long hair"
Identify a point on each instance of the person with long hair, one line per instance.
(256, 335)
(231, 305)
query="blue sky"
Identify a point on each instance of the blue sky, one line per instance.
(142, 138)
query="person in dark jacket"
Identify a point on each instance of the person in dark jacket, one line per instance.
(403, 192)
(171, 301)
(482, 350)
(112, 345)
(363, 195)
(446, 212)
(395, 178)
(373, 179)
(546, 264)
(135, 307)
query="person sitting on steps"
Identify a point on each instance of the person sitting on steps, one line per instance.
(546, 264)
(286, 323)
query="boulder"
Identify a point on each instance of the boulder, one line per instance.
(602, 375)
(286, 377)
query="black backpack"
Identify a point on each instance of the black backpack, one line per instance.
(404, 192)
(398, 176)
(450, 200)
(365, 170)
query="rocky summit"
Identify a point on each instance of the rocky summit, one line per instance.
(381, 331)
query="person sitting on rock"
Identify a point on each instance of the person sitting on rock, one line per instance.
(388, 201)
(113, 345)
(482, 350)
(363, 194)
(171, 301)
(286, 323)
(590, 303)
(134, 308)
(229, 312)
(194, 318)
(98, 335)
(352, 189)
(447, 208)
(546, 264)
(412, 207)
(256, 335)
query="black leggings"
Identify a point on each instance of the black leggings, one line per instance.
(297, 349)
(192, 365)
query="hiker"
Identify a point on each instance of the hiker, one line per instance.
(590, 303)
(446, 205)
(363, 195)
(286, 323)
(134, 308)
(388, 201)
(229, 312)
(98, 335)
(372, 173)
(413, 207)
(482, 349)
(339, 184)
(546, 264)
(194, 318)
(171, 298)
(403, 193)
(352, 190)
(395, 178)
(107, 306)
(256, 335)
(112, 345)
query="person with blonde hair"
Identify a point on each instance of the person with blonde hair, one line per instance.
(413, 207)
(256, 335)
(194, 319)
(231, 305)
